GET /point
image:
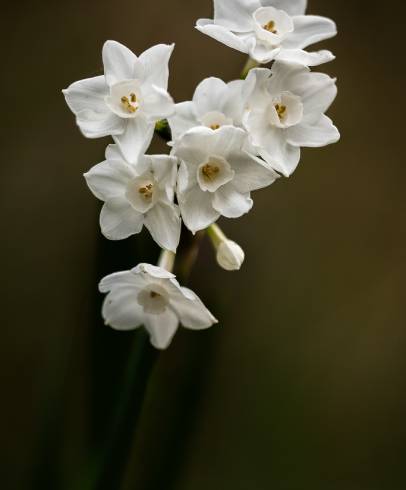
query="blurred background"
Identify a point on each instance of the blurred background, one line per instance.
(302, 385)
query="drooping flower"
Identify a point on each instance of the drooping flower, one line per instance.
(127, 100)
(287, 106)
(216, 175)
(215, 104)
(137, 194)
(229, 255)
(269, 29)
(151, 296)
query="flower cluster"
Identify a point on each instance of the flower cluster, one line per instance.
(228, 141)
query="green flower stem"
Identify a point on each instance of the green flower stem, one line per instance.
(249, 65)
(107, 470)
(216, 235)
(167, 260)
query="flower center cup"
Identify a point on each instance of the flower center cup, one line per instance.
(142, 193)
(154, 299)
(272, 25)
(125, 98)
(286, 110)
(214, 173)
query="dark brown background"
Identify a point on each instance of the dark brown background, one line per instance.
(302, 386)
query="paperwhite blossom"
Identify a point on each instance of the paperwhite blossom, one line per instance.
(287, 106)
(151, 296)
(127, 100)
(215, 104)
(269, 29)
(135, 195)
(216, 175)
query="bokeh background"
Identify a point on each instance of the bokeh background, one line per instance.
(302, 385)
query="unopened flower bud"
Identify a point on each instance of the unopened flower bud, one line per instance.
(230, 255)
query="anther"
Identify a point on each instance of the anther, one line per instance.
(209, 171)
(127, 104)
(281, 110)
(146, 191)
(270, 27)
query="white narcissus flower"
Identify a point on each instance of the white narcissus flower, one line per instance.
(151, 296)
(136, 195)
(127, 100)
(216, 175)
(215, 104)
(286, 111)
(269, 29)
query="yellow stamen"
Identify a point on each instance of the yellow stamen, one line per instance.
(270, 27)
(127, 104)
(215, 126)
(153, 294)
(281, 110)
(210, 171)
(146, 191)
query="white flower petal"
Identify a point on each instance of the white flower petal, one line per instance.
(231, 203)
(191, 311)
(193, 147)
(157, 104)
(292, 7)
(235, 15)
(196, 209)
(251, 173)
(183, 119)
(186, 179)
(220, 33)
(118, 220)
(165, 170)
(155, 61)
(164, 224)
(121, 279)
(310, 29)
(161, 328)
(271, 144)
(109, 179)
(209, 96)
(87, 94)
(304, 58)
(261, 53)
(318, 96)
(321, 133)
(121, 310)
(86, 100)
(113, 153)
(119, 62)
(234, 103)
(279, 154)
(94, 125)
(152, 270)
(226, 140)
(136, 138)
